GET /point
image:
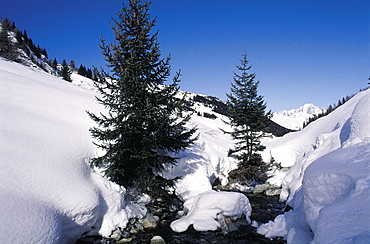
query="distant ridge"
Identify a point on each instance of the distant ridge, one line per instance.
(293, 119)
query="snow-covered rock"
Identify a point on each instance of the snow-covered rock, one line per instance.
(328, 184)
(293, 119)
(208, 206)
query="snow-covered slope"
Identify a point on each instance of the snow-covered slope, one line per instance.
(328, 184)
(293, 119)
(48, 193)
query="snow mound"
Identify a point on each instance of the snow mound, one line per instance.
(328, 185)
(208, 206)
(48, 193)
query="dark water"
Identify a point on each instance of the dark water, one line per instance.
(264, 208)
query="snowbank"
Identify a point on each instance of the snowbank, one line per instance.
(48, 193)
(329, 184)
(208, 206)
(204, 161)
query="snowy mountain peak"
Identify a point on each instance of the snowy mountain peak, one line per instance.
(294, 118)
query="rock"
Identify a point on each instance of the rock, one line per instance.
(139, 226)
(125, 240)
(232, 227)
(133, 230)
(223, 225)
(116, 235)
(126, 234)
(260, 188)
(132, 221)
(150, 221)
(157, 240)
(273, 192)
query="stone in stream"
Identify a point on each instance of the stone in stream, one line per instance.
(273, 191)
(260, 188)
(150, 221)
(116, 235)
(157, 240)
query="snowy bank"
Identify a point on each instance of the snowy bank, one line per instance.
(48, 193)
(328, 185)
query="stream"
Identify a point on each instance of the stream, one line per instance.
(264, 209)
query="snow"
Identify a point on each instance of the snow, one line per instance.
(328, 184)
(208, 206)
(204, 161)
(48, 193)
(293, 119)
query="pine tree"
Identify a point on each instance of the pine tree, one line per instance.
(82, 70)
(8, 49)
(72, 64)
(65, 72)
(145, 122)
(54, 64)
(249, 122)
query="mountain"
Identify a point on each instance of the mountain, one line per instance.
(327, 183)
(293, 119)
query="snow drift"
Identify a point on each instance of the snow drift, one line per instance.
(48, 193)
(328, 184)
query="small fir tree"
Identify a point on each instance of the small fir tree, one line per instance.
(65, 71)
(249, 120)
(145, 122)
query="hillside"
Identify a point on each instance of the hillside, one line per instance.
(328, 182)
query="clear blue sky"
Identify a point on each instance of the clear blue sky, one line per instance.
(302, 51)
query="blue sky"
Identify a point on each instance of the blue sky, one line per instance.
(302, 51)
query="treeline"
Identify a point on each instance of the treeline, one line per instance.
(15, 45)
(11, 44)
(330, 109)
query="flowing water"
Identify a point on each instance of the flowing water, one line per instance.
(264, 209)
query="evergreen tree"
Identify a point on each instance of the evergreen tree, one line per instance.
(72, 64)
(82, 70)
(65, 72)
(54, 64)
(249, 121)
(145, 123)
(8, 49)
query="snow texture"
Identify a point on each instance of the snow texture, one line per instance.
(210, 205)
(328, 184)
(48, 193)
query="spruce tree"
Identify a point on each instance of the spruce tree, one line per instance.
(65, 71)
(249, 120)
(145, 122)
(8, 49)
